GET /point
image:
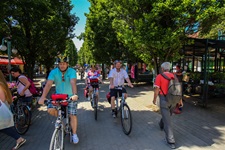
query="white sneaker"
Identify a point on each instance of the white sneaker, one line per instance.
(75, 139)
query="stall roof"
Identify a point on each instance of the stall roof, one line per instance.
(14, 61)
(197, 47)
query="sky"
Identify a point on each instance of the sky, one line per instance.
(80, 7)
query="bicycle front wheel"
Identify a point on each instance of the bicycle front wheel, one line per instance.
(126, 119)
(95, 108)
(57, 140)
(22, 119)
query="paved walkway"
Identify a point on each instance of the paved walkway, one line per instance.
(197, 128)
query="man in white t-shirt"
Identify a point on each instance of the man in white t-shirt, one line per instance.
(116, 77)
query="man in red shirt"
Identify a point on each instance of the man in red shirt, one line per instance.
(161, 89)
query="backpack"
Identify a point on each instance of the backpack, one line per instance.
(174, 94)
(32, 87)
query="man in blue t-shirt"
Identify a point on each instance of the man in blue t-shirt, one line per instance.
(65, 79)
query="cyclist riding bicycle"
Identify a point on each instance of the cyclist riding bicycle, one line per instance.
(92, 74)
(116, 77)
(65, 79)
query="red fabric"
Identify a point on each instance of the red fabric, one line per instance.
(56, 97)
(163, 83)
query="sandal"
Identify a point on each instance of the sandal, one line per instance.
(18, 145)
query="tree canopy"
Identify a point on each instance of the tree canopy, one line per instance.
(152, 30)
(39, 29)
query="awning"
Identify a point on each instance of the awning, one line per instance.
(14, 61)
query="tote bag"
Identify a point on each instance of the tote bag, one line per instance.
(6, 116)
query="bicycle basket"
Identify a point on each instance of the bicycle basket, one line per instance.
(58, 97)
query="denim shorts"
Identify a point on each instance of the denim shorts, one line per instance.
(72, 107)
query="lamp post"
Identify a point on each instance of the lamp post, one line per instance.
(8, 48)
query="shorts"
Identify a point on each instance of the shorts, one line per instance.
(93, 86)
(113, 92)
(72, 108)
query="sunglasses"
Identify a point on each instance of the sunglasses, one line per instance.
(63, 79)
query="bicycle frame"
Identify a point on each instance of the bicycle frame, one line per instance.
(126, 119)
(94, 101)
(60, 127)
(59, 120)
(93, 96)
(122, 102)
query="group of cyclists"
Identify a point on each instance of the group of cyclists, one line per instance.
(65, 79)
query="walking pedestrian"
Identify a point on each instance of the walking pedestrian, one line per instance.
(161, 89)
(6, 98)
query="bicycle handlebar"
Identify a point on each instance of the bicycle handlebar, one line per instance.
(120, 87)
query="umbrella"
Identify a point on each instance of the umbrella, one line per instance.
(14, 61)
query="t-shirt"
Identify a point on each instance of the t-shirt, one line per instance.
(118, 77)
(179, 77)
(63, 87)
(163, 83)
(93, 75)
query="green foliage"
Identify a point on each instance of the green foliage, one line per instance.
(71, 52)
(40, 29)
(147, 29)
(100, 39)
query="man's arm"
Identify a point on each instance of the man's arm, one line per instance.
(111, 84)
(45, 91)
(73, 83)
(129, 82)
(156, 93)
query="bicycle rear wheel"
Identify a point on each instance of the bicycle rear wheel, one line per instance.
(57, 142)
(22, 119)
(126, 119)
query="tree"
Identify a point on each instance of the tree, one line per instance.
(40, 29)
(71, 52)
(159, 28)
(100, 38)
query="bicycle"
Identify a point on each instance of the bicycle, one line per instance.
(126, 118)
(60, 101)
(94, 102)
(21, 115)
